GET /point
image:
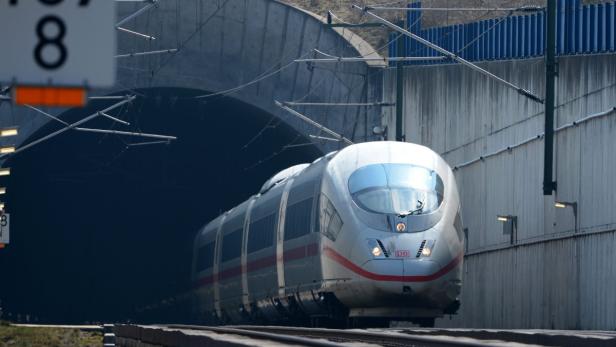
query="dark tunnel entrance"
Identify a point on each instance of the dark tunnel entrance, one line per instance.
(99, 229)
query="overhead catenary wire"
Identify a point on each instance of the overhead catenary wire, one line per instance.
(254, 81)
(137, 54)
(183, 43)
(313, 123)
(274, 154)
(451, 55)
(50, 116)
(137, 13)
(73, 125)
(536, 137)
(462, 9)
(376, 50)
(148, 143)
(260, 132)
(458, 29)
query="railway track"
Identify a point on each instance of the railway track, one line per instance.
(336, 338)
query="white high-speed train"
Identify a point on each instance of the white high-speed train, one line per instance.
(368, 234)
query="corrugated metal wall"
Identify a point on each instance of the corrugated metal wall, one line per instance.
(581, 29)
(552, 277)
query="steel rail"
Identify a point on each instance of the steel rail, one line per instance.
(252, 333)
(338, 335)
(383, 339)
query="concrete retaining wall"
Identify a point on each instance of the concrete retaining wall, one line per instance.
(551, 277)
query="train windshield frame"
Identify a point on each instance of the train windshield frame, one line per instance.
(403, 189)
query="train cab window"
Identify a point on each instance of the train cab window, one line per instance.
(205, 257)
(261, 233)
(232, 245)
(396, 188)
(331, 223)
(297, 219)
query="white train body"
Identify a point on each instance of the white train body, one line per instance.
(372, 231)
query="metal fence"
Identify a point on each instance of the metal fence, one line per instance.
(581, 29)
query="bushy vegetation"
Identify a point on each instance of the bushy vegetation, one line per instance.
(11, 336)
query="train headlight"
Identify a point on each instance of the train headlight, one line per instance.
(425, 249)
(376, 251)
(400, 227)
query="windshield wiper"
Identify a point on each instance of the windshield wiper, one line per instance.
(420, 206)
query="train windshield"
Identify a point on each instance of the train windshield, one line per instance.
(402, 189)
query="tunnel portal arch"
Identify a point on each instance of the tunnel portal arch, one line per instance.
(244, 49)
(220, 45)
(102, 225)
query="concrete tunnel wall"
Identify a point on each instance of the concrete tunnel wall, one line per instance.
(228, 43)
(222, 45)
(551, 277)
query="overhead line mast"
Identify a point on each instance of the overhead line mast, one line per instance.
(549, 185)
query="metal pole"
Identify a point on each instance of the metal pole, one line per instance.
(400, 48)
(74, 125)
(310, 121)
(451, 55)
(137, 54)
(549, 185)
(329, 104)
(354, 60)
(147, 37)
(127, 133)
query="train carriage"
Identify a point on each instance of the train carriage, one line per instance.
(370, 233)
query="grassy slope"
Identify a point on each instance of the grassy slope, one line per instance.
(47, 337)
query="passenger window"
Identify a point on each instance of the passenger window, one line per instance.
(261, 233)
(331, 223)
(297, 219)
(232, 245)
(205, 257)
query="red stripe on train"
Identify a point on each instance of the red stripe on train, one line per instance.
(261, 263)
(312, 250)
(337, 257)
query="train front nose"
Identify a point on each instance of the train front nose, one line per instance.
(401, 275)
(433, 275)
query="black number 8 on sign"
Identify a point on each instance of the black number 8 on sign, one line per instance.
(55, 41)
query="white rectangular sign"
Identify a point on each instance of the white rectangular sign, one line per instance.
(58, 42)
(5, 223)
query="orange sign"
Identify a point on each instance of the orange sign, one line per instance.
(50, 96)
